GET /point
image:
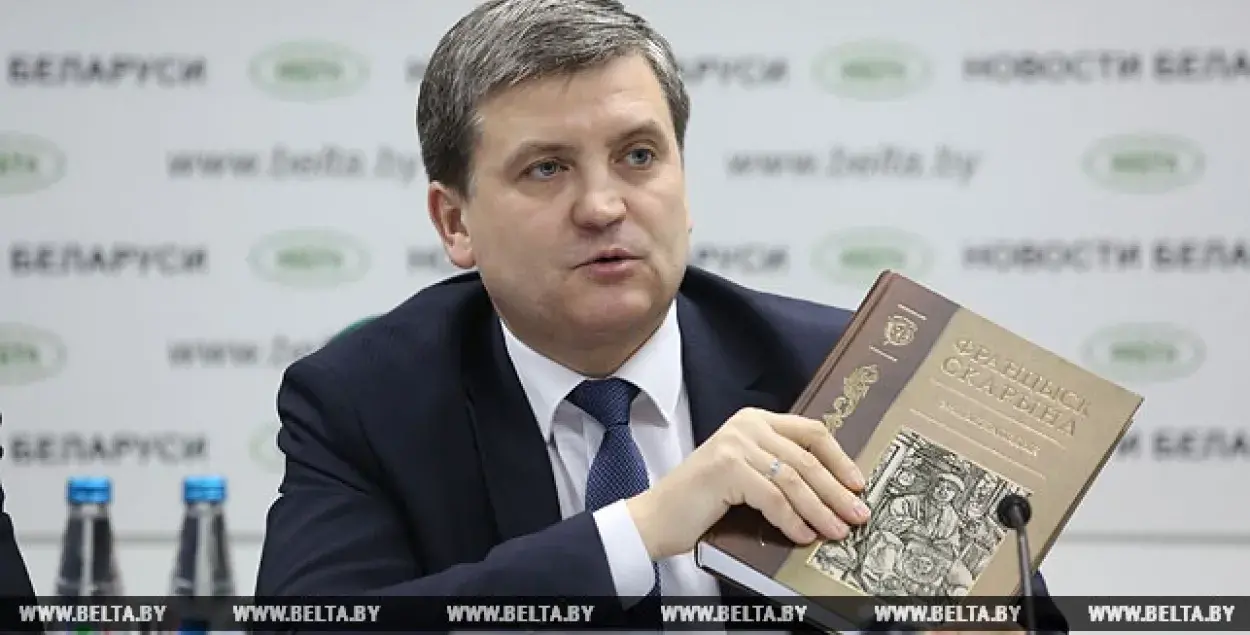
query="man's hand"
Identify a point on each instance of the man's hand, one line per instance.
(811, 493)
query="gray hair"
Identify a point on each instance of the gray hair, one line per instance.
(503, 43)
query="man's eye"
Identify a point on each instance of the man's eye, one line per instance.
(544, 169)
(640, 157)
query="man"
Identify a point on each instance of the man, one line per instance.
(927, 525)
(473, 441)
(14, 578)
(929, 516)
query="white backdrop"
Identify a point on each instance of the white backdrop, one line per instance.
(194, 194)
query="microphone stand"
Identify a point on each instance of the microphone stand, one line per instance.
(1014, 512)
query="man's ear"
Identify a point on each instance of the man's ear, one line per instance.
(447, 214)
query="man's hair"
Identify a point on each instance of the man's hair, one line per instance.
(503, 43)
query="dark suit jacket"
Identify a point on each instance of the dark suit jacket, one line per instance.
(414, 465)
(14, 578)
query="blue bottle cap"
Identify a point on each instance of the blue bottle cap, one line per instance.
(203, 489)
(89, 489)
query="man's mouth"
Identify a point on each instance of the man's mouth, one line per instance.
(611, 256)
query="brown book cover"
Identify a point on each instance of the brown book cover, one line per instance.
(946, 413)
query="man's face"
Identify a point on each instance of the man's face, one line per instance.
(577, 218)
(944, 491)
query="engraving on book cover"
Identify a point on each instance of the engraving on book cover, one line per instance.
(933, 530)
(854, 388)
(900, 330)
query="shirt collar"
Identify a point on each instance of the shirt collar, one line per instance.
(655, 369)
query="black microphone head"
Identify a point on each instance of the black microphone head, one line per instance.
(1014, 511)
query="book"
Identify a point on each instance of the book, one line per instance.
(945, 413)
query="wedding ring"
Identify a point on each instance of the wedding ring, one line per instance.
(774, 469)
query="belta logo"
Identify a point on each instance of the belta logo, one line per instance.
(1144, 352)
(1146, 164)
(310, 258)
(858, 256)
(28, 163)
(263, 447)
(309, 71)
(872, 70)
(29, 354)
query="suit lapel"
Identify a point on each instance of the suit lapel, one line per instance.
(719, 382)
(517, 469)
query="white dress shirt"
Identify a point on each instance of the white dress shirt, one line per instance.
(661, 427)
(660, 424)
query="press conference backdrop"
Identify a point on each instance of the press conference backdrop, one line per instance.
(195, 194)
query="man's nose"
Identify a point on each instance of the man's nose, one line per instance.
(602, 200)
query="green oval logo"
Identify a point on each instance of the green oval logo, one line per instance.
(28, 163)
(309, 71)
(1143, 352)
(872, 71)
(310, 259)
(263, 447)
(858, 256)
(29, 354)
(1146, 164)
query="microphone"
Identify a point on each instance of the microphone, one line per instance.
(1014, 512)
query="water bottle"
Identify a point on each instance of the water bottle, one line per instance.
(202, 566)
(88, 566)
(88, 560)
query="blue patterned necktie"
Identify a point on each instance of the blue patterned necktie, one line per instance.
(618, 470)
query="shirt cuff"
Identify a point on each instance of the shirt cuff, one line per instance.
(628, 561)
